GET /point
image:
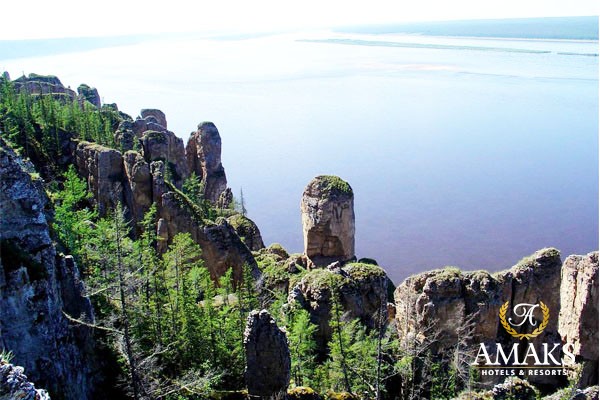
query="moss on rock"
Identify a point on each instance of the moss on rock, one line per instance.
(331, 184)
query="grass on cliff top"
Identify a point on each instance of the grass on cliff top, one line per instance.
(320, 279)
(360, 271)
(332, 183)
(240, 221)
(529, 261)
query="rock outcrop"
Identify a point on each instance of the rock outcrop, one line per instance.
(247, 231)
(158, 115)
(165, 146)
(89, 94)
(138, 184)
(449, 305)
(43, 84)
(203, 154)
(102, 168)
(36, 286)
(15, 385)
(361, 290)
(268, 362)
(578, 320)
(327, 208)
(589, 393)
(137, 181)
(221, 247)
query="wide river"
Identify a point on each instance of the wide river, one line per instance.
(469, 152)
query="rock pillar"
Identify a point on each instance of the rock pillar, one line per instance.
(327, 208)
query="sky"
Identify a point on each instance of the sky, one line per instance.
(42, 19)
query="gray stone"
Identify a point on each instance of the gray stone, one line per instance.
(268, 360)
(14, 385)
(36, 286)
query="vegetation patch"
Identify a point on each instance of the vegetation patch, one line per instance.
(302, 393)
(320, 279)
(362, 271)
(333, 184)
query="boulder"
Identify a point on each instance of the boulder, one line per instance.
(268, 361)
(203, 154)
(327, 208)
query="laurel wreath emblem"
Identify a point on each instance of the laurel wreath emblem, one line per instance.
(511, 331)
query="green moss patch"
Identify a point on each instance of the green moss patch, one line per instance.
(333, 184)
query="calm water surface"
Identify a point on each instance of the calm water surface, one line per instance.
(460, 151)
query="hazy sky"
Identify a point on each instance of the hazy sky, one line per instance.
(73, 18)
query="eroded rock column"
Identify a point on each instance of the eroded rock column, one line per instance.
(327, 208)
(268, 360)
(203, 154)
(578, 320)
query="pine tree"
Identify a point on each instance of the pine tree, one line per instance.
(302, 345)
(73, 221)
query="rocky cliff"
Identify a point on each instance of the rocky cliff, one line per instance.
(578, 319)
(37, 286)
(453, 309)
(154, 176)
(359, 289)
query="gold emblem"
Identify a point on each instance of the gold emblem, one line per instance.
(512, 332)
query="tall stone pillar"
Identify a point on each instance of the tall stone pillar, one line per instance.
(327, 208)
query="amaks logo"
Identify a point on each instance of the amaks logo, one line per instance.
(527, 315)
(547, 359)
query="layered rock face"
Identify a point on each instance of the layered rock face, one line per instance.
(221, 247)
(165, 146)
(268, 361)
(40, 84)
(451, 306)
(36, 286)
(137, 190)
(327, 208)
(102, 167)
(361, 290)
(578, 320)
(203, 154)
